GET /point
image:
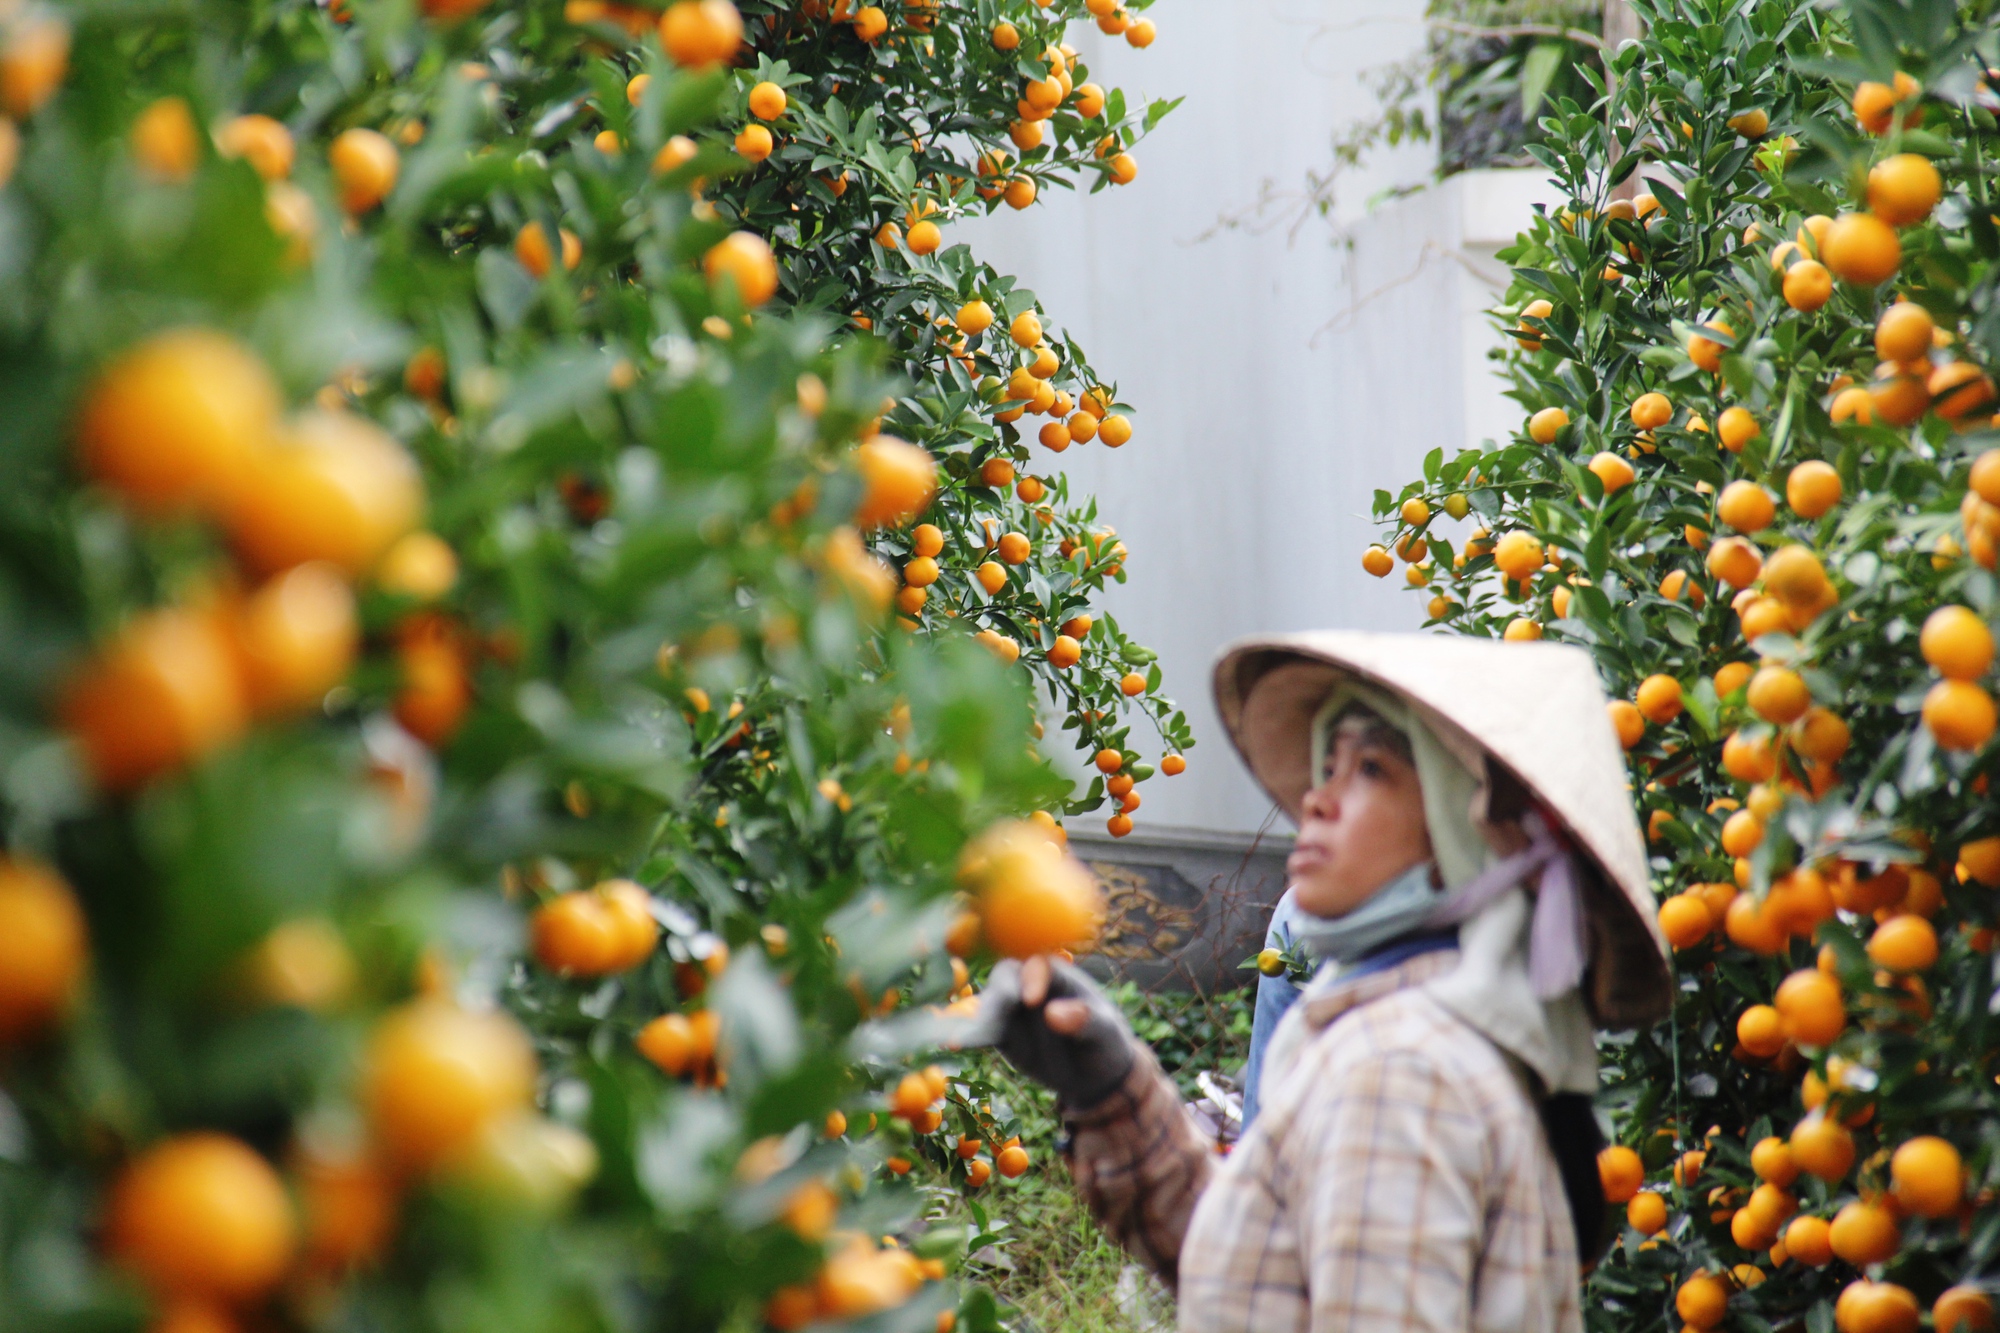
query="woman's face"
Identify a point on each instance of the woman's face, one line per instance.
(1363, 825)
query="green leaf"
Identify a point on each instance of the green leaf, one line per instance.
(1597, 552)
(1538, 71)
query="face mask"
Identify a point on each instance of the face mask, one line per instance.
(1396, 909)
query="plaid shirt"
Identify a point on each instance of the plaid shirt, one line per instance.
(1398, 1178)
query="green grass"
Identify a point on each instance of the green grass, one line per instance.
(1066, 1271)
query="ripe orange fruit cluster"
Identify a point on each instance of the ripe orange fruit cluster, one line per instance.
(1687, 918)
(899, 478)
(1809, 1010)
(1039, 100)
(858, 1280)
(1519, 556)
(1030, 896)
(1000, 645)
(1030, 387)
(1979, 510)
(44, 949)
(1063, 645)
(366, 166)
(743, 262)
(683, 1044)
(1876, 104)
(437, 1077)
(206, 1224)
(1926, 1180)
(1958, 645)
(917, 1097)
(189, 422)
(595, 932)
(1909, 382)
(698, 34)
(1863, 248)
(1796, 591)
(202, 1218)
(532, 249)
(34, 60)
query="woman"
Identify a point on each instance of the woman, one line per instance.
(1469, 869)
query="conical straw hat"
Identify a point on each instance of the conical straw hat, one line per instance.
(1537, 708)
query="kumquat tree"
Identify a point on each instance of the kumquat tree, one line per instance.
(525, 616)
(1758, 479)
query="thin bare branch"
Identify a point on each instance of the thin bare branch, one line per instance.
(1517, 30)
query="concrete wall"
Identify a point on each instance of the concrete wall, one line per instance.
(1279, 377)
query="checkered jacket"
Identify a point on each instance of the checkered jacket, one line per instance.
(1397, 1178)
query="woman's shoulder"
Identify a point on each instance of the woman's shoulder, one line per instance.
(1349, 1039)
(1407, 1033)
(1405, 1057)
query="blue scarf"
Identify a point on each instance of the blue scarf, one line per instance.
(1398, 908)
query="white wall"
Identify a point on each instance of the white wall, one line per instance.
(1278, 379)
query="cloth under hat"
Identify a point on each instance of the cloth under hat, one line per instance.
(1450, 772)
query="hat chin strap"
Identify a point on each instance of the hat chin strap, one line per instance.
(1555, 936)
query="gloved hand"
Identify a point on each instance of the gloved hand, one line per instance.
(1054, 1025)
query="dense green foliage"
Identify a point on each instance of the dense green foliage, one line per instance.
(651, 646)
